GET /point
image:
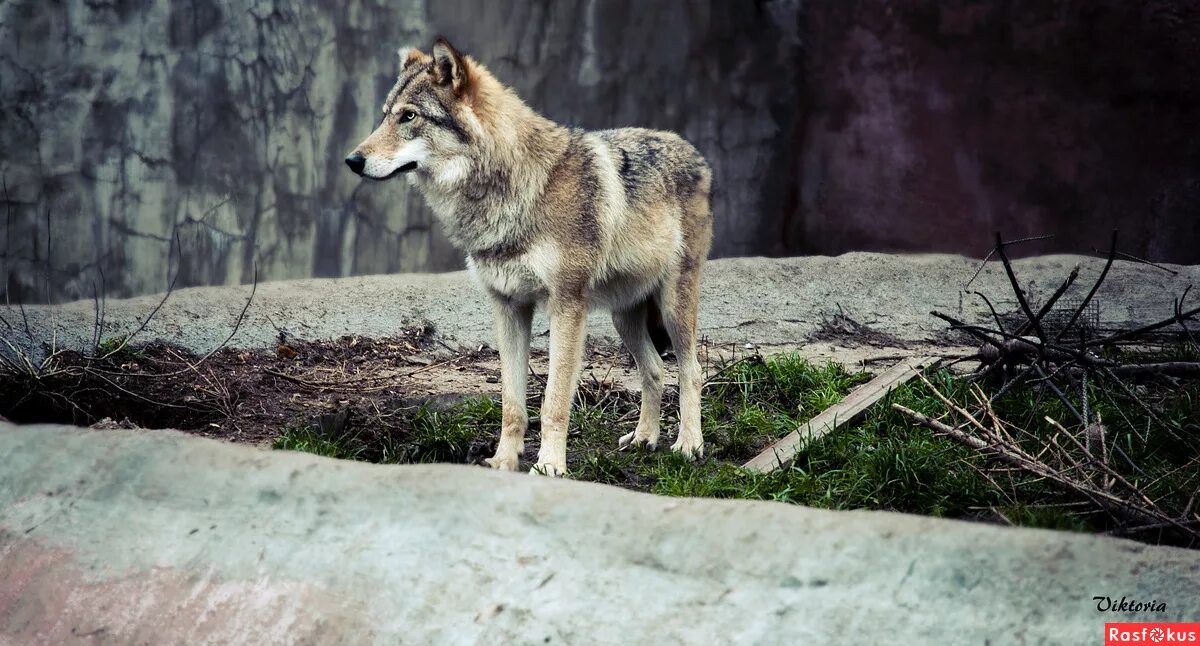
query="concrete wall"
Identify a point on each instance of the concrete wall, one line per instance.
(832, 126)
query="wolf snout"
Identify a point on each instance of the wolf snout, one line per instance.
(357, 162)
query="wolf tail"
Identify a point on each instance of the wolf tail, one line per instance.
(658, 331)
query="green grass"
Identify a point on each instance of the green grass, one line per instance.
(308, 438)
(117, 349)
(882, 461)
(744, 408)
(423, 435)
(447, 436)
(757, 398)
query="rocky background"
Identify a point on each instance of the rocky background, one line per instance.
(143, 139)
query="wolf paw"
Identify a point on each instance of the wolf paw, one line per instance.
(633, 440)
(549, 469)
(689, 446)
(502, 463)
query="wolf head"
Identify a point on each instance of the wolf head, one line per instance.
(429, 125)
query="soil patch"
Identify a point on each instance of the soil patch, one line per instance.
(844, 329)
(239, 394)
(405, 398)
(253, 395)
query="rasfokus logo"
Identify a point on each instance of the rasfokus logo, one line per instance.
(1135, 634)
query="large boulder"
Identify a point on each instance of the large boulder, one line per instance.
(157, 537)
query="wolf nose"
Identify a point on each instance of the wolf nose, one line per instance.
(356, 162)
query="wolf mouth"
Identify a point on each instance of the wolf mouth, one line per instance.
(410, 166)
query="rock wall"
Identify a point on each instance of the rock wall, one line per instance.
(930, 124)
(222, 124)
(140, 139)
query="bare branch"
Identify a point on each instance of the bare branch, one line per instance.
(1062, 289)
(146, 321)
(1112, 254)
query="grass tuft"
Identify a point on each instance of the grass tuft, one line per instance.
(308, 438)
(447, 436)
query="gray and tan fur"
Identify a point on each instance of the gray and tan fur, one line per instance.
(619, 219)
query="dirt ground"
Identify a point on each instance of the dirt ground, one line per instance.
(248, 395)
(356, 386)
(418, 396)
(772, 303)
(363, 352)
(378, 347)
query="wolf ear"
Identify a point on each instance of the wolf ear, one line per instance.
(449, 66)
(410, 56)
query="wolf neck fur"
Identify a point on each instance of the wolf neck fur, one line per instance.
(487, 211)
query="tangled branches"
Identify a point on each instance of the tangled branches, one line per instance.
(1079, 467)
(1053, 353)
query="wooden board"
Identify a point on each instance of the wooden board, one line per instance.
(781, 453)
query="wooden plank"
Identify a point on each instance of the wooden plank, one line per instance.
(781, 453)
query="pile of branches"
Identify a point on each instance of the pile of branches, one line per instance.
(1075, 363)
(1033, 345)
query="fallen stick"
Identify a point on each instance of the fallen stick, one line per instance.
(780, 454)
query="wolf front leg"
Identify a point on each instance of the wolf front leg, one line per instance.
(513, 321)
(568, 320)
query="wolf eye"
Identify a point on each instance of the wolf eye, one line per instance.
(407, 115)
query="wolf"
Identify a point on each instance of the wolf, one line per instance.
(618, 219)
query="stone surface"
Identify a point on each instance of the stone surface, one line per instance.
(770, 303)
(125, 536)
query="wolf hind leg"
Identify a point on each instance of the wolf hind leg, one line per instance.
(631, 326)
(679, 315)
(680, 305)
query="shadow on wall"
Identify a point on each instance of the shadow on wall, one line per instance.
(145, 137)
